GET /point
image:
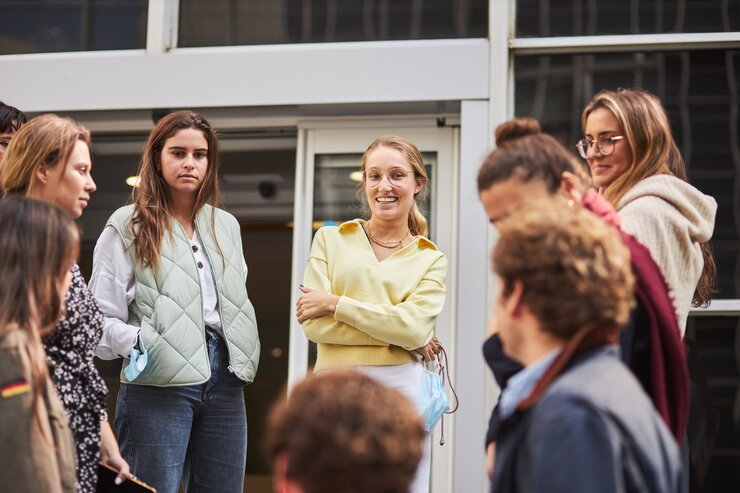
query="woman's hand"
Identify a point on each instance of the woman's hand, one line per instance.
(431, 350)
(110, 455)
(314, 304)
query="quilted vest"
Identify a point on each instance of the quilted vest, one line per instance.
(167, 303)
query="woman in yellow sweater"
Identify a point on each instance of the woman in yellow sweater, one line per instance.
(373, 289)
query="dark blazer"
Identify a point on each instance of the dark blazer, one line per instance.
(593, 429)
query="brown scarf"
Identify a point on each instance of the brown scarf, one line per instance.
(587, 337)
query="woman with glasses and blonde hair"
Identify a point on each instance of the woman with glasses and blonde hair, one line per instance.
(373, 288)
(637, 166)
(49, 159)
(38, 248)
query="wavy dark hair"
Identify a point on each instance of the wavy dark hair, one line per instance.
(152, 216)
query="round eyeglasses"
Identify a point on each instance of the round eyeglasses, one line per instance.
(396, 177)
(605, 145)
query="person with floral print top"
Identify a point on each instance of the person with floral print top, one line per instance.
(49, 159)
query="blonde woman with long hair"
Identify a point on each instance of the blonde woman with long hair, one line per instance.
(49, 159)
(38, 247)
(373, 288)
(637, 166)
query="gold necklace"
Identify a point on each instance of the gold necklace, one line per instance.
(385, 244)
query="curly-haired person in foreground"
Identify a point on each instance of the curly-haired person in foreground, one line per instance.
(343, 432)
(575, 419)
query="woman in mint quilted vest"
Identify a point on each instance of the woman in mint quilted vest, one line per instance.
(170, 277)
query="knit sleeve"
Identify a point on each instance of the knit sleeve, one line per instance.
(409, 324)
(655, 224)
(326, 329)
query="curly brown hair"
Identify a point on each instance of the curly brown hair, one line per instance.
(574, 268)
(343, 432)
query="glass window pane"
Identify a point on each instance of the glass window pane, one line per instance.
(231, 22)
(599, 17)
(45, 26)
(714, 423)
(701, 93)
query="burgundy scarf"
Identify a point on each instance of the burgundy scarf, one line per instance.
(669, 373)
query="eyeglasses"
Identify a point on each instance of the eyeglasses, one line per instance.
(605, 145)
(396, 177)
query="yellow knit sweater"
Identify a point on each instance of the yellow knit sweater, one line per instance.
(385, 308)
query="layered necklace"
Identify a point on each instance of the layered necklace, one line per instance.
(386, 244)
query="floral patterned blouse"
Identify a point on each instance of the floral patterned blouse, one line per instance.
(70, 349)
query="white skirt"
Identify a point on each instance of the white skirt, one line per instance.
(406, 378)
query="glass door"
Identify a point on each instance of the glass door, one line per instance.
(327, 186)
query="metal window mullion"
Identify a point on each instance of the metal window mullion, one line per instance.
(162, 26)
(626, 42)
(718, 308)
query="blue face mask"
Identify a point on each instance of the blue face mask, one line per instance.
(432, 402)
(137, 361)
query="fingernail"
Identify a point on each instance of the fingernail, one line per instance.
(118, 481)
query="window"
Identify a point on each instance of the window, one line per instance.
(600, 17)
(700, 90)
(231, 22)
(43, 26)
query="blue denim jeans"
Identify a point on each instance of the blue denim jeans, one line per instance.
(194, 432)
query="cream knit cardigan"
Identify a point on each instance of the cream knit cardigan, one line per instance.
(671, 218)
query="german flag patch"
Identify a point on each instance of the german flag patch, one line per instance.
(14, 388)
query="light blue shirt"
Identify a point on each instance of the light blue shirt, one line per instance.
(521, 385)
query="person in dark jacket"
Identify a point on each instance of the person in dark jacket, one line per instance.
(575, 418)
(527, 165)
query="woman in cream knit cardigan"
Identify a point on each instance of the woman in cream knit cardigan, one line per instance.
(638, 168)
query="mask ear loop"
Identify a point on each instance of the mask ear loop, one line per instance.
(444, 371)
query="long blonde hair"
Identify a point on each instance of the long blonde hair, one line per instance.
(417, 222)
(647, 133)
(38, 247)
(152, 216)
(47, 140)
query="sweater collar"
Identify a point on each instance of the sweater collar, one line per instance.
(356, 225)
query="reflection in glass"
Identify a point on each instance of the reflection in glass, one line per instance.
(714, 423)
(599, 17)
(45, 26)
(701, 93)
(233, 22)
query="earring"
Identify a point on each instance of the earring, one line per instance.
(570, 202)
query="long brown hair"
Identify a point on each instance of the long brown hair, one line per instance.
(47, 140)
(647, 133)
(417, 222)
(38, 247)
(152, 216)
